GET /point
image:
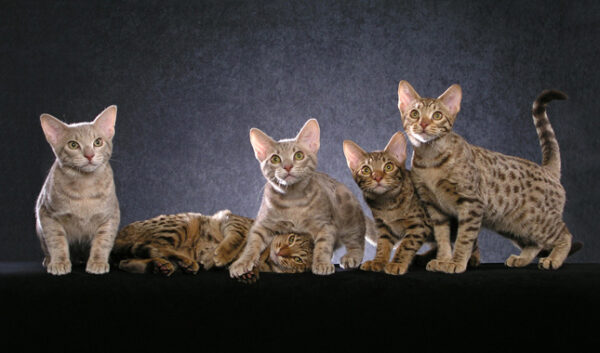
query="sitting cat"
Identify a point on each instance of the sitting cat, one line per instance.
(517, 198)
(400, 217)
(309, 201)
(189, 240)
(78, 204)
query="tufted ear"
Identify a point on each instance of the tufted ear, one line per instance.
(397, 147)
(406, 96)
(309, 136)
(354, 154)
(451, 98)
(53, 128)
(105, 121)
(261, 143)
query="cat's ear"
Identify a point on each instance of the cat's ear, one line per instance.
(397, 147)
(105, 121)
(451, 98)
(354, 154)
(54, 129)
(406, 96)
(261, 143)
(310, 135)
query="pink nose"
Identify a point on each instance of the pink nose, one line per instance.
(89, 157)
(424, 125)
(288, 167)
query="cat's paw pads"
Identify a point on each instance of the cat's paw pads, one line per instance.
(394, 268)
(323, 268)
(58, 268)
(250, 277)
(239, 268)
(546, 263)
(163, 267)
(445, 266)
(372, 265)
(97, 267)
(189, 266)
(349, 262)
(516, 261)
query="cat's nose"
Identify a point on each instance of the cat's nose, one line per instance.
(284, 251)
(89, 156)
(288, 167)
(377, 176)
(424, 124)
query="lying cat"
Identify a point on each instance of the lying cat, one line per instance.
(78, 205)
(517, 198)
(188, 241)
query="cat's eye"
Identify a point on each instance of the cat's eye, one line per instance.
(414, 114)
(437, 116)
(365, 170)
(275, 159)
(98, 142)
(73, 145)
(298, 259)
(388, 167)
(299, 156)
(291, 239)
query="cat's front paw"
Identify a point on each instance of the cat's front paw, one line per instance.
(250, 277)
(372, 265)
(546, 263)
(445, 266)
(163, 267)
(188, 266)
(59, 268)
(323, 268)
(240, 267)
(395, 268)
(516, 261)
(97, 267)
(349, 262)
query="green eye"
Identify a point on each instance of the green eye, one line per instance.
(275, 159)
(299, 156)
(414, 114)
(73, 145)
(298, 259)
(388, 167)
(98, 142)
(437, 116)
(365, 170)
(291, 239)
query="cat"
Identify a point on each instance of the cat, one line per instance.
(78, 205)
(517, 198)
(305, 201)
(399, 214)
(189, 241)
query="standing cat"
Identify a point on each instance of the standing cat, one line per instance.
(78, 204)
(397, 209)
(517, 198)
(189, 240)
(305, 200)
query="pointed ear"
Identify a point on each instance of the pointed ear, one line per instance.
(406, 96)
(397, 147)
(451, 98)
(54, 129)
(309, 136)
(106, 120)
(261, 143)
(354, 154)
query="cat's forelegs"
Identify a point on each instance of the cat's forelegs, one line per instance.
(101, 246)
(407, 249)
(324, 242)
(385, 244)
(56, 247)
(258, 238)
(441, 233)
(527, 255)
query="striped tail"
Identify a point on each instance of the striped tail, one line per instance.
(550, 150)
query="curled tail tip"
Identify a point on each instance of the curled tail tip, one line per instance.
(547, 96)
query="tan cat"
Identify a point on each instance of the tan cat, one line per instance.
(78, 205)
(188, 241)
(517, 198)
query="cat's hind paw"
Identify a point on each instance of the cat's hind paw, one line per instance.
(547, 263)
(59, 268)
(163, 267)
(445, 266)
(516, 261)
(374, 266)
(189, 266)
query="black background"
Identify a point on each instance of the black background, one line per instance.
(190, 78)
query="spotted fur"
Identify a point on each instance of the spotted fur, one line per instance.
(189, 241)
(517, 198)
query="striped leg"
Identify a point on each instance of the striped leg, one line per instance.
(102, 244)
(385, 244)
(559, 253)
(441, 234)
(416, 234)
(324, 242)
(258, 238)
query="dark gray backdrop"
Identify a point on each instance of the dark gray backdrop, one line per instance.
(191, 78)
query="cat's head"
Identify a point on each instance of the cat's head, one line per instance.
(292, 252)
(427, 119)
(380, 171)
(81, 146)
(286, 162)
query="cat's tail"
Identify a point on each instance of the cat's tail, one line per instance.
(548, 142)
